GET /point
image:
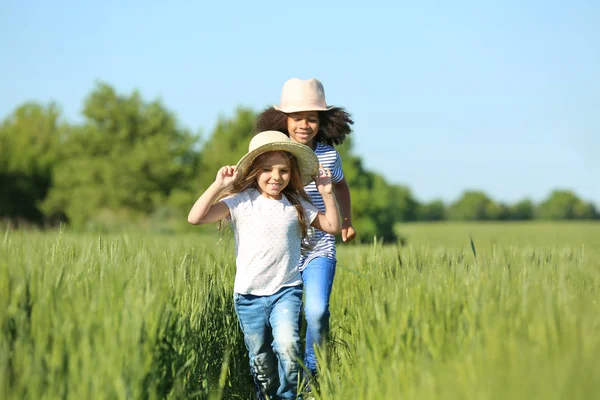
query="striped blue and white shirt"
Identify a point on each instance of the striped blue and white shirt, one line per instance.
(323, 243)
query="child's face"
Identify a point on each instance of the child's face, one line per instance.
(303, 126)
(273, 176)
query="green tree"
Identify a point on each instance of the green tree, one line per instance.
(474, 205)
(585, 210)
(522, 210)
(124, 161)
(564, 204)
(376, 205)
(432, 211)
(29, 139)
(497, 211)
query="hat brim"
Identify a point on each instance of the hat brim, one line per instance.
(307, 159)
(294, 109)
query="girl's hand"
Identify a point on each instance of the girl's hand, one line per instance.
(225, 176)
(323, 181)
(348, 233)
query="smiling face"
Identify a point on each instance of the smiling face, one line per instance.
(303, 126)
(274, 174)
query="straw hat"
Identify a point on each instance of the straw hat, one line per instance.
(266, 141)
(302, 95)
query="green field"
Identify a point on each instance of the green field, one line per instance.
(513, 313)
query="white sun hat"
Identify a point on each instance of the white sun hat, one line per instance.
(302, 95)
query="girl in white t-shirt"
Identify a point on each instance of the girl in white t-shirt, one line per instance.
(263, 197)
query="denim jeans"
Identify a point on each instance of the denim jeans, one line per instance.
(271, 327)
(318, 279)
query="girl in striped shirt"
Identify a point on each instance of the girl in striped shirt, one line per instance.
(305, 117)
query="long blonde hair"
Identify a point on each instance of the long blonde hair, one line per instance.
(294, 191)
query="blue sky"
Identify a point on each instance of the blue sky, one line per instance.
(502, 96)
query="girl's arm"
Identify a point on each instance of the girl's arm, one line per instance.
(342, 192)
(329, 221)
(204, 211)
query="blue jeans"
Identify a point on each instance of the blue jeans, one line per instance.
(318, 279)
(271, 326)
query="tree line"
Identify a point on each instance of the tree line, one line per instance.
(130, 162)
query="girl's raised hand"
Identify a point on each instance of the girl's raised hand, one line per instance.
(323, 180)
(225, 176)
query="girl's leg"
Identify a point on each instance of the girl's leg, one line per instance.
(318, 280)
(252, 313)
(285, 321)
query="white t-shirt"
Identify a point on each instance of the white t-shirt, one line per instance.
(267, 242)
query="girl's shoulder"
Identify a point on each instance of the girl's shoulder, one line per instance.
(241, 197)
(324, 148)
(326, 153)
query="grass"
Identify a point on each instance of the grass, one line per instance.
(513, 315)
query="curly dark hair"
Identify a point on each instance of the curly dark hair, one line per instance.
(334, 124)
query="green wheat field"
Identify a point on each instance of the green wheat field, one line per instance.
(456, 311)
